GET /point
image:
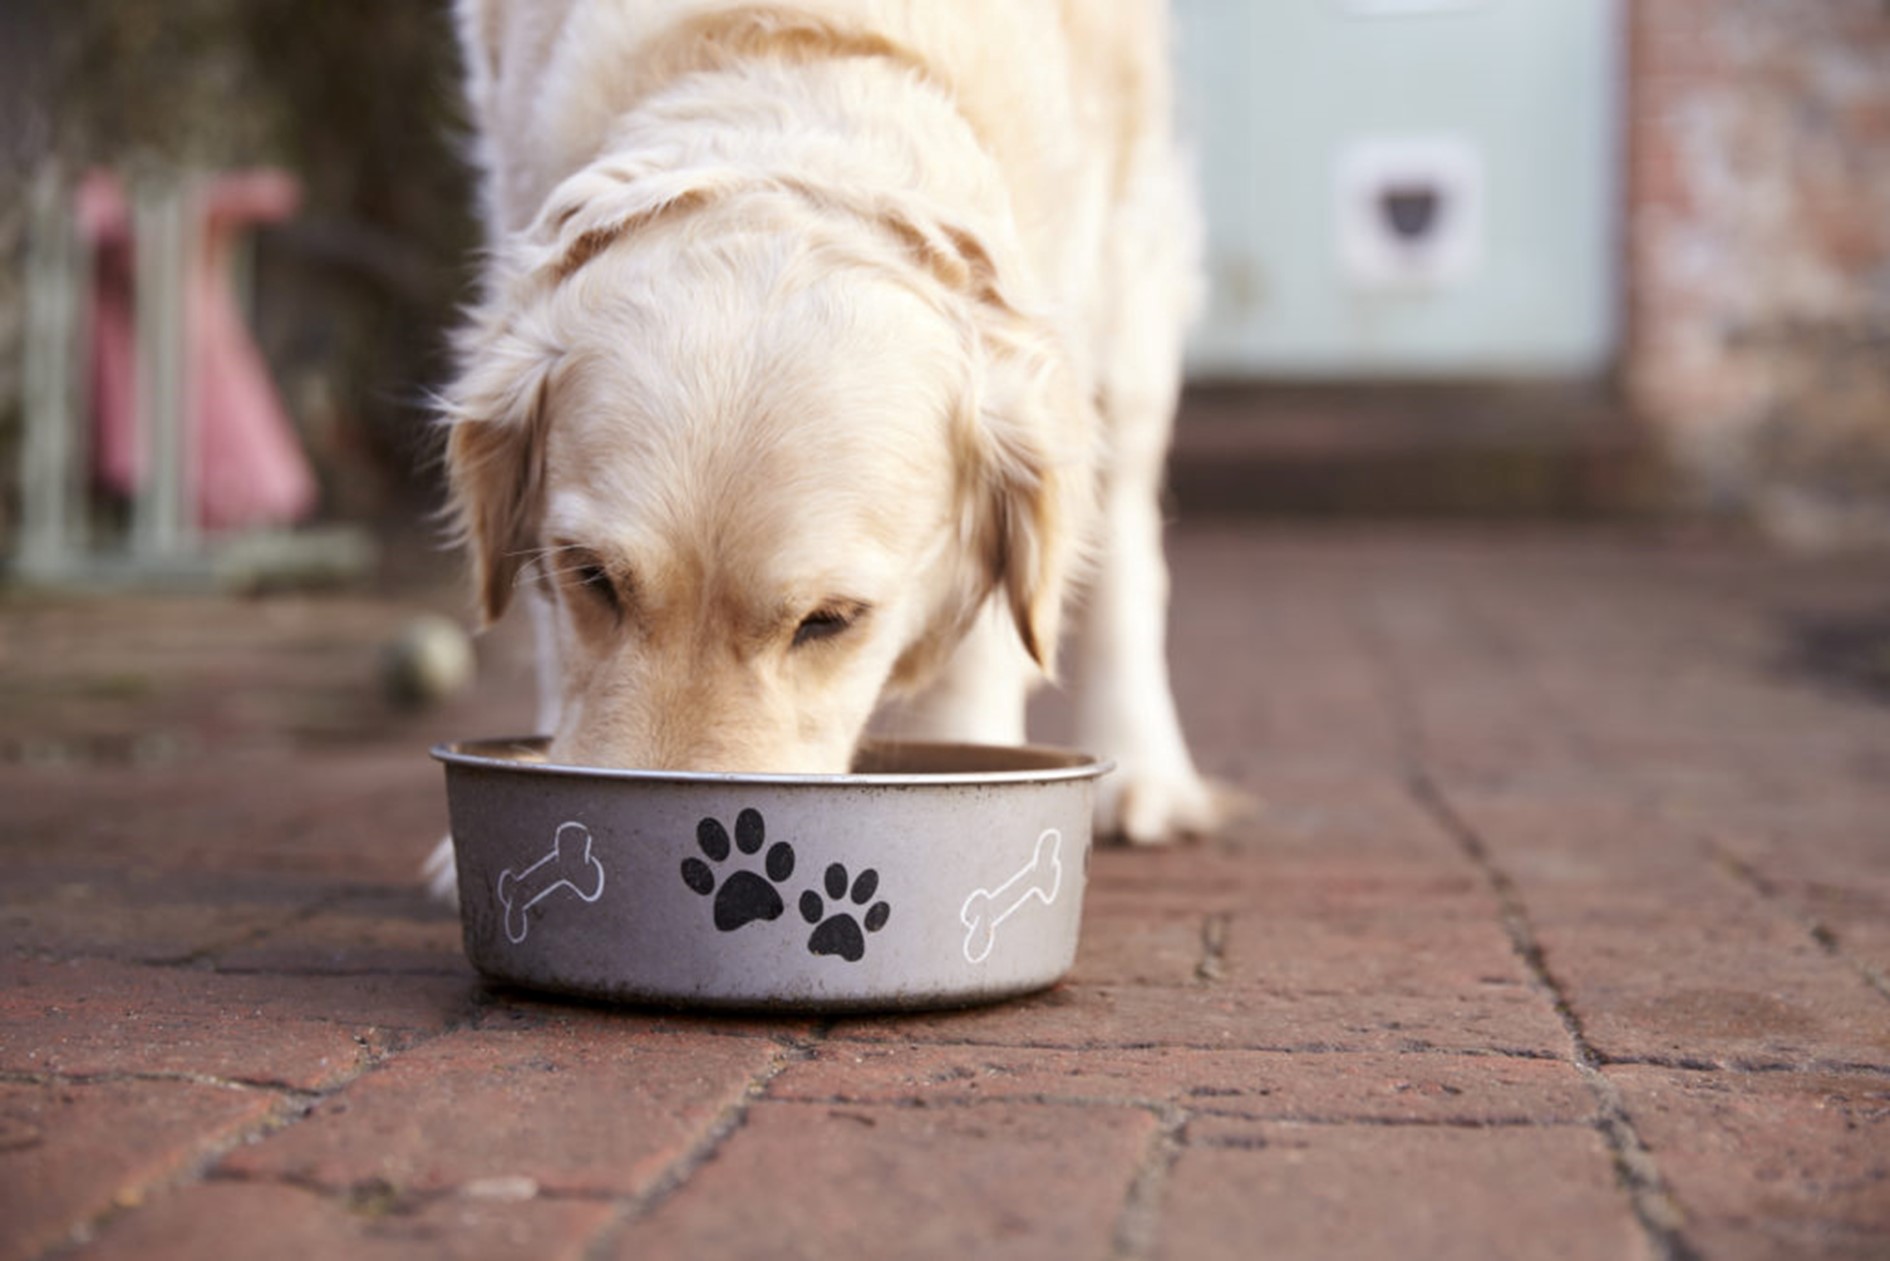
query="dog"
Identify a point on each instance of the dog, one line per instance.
(826, 349)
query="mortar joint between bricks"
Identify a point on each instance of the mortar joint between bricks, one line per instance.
(1737, 1064)
(252, 1085)
(1635, 1169)
(1138, 1222)
(206, 954)
(1212, 966)
(707, 1146)
(1820, 932)
(202, 1167)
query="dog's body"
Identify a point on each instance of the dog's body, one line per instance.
(825, 348)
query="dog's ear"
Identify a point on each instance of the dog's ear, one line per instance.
(496, 410)
(1027, 426)
(607, 201)
(495, 459)
(1033, 480)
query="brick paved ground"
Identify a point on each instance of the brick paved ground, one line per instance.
(1565, 933)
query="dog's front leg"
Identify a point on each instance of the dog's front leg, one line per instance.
(1124, 705)
(440, 871)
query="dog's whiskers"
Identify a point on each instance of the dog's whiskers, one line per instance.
(565, 573)
(533, 565)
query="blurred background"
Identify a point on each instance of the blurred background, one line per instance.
(1651, 236)
(1472, 258)
(345, 284)
(1531, 487)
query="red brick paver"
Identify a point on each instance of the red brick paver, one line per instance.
(1772, 1164)
(426, 1121)
(990, 1180)
(225, 1218)
(1563, 932)
(72, 1149)
(1367, 1192)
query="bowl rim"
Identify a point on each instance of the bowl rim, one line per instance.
(1055, 765)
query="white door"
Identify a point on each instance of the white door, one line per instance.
(1404, 187)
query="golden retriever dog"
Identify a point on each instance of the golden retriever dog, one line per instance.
(827, 351)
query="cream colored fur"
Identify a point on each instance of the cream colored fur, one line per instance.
(826, 349)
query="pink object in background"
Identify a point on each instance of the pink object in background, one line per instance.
(249, 468)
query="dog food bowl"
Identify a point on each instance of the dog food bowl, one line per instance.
(935, 875)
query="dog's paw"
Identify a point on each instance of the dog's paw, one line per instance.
(1152, 808)
(442, 874)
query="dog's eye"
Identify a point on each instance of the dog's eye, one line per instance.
(822, 624)
(590, 577)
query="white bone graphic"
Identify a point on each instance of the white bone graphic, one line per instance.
(985, 909)
(569, 865)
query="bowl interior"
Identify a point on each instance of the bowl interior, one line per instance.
(877, 761)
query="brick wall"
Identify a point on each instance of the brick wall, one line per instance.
(1759, 255)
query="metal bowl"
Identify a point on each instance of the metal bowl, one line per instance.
(935, 875)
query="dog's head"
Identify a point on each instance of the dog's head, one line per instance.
(766, 453)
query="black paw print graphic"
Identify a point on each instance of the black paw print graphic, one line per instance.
(743, 896)
(840, 934)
